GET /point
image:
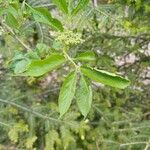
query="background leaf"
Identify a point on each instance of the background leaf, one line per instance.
(67, 93)
(21, 66)
(81, 5)
(84, 96)
(62, 5)
(105, 77)
(40, 67)
(12, 21)
(118, 118)
(86, 56)
(43, 15)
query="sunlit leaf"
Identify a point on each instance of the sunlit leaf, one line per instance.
(105, 77)
(67, 93)
(40, 67)
(43, 15)
(84, 96)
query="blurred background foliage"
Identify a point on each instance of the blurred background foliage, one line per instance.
(118, 31)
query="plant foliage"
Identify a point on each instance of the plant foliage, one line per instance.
(65, 60)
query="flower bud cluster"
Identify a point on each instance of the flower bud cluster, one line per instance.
(69, 38)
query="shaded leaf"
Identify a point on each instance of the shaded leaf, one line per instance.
(86, 56)
(62, 5)
(12, 21)
(40, 67)
(42, 49)
(2, 10)
(43, 15)
(56, 45)
(105, 77)
(32, 55)
(67, 93)
(18, 56)
(21, 66)
(84, 96)
(81, 5)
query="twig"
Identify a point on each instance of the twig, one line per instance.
(132, 143)
(4, 124)
(95, 3)
(34, 112)
(110, 141)
(147, 145)
(97, 145)
(98, 35)
(129, 129)
(15, 36)
(70, 59)
(23, 5)
(45, 5)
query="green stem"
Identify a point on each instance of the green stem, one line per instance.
(6, 27)
(35, 113)
(70, 59)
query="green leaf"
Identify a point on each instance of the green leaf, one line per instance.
(43, 15)
(2, 10)
(40, 67)
(84, 96)
(32, 55)
(81, 5)
(12, 21)
(18, 56)
(62, 5)
(57, 45)
(86, 56)
(21, 66)
(42, 49)
(105, 77)
(67, 93)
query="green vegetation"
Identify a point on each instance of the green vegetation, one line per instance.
(74, 74)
